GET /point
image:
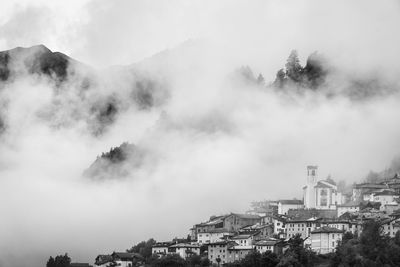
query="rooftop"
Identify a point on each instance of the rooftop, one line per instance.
(246, 216)
(241, 248)
(291, 201)
(243, 236)
(126, 255)
(386, 193)
(185, 245)
(326, 229)
(267, 242)
(350, 204)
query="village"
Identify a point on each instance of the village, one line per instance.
(320, 219)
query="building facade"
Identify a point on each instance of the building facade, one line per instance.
(325, 239)
(320, 194)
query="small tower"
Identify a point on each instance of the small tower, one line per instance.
(312, 174)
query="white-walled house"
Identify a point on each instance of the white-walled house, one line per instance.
(287, 204)
(245, 239)
(302, 227)
(126, 259)
(279, 226)
(385, 197)
(184, 250)
(161, 248)
(269, 244)
(325, 239)
(212, 236)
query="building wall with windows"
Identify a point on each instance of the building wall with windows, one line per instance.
(325, 240)
(211, 236)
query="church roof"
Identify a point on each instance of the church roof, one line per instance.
(325, 184)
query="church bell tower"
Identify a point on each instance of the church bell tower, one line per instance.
(312, 174)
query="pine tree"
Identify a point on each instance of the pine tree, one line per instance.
(293, 68)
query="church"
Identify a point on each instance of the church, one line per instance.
(320, 194)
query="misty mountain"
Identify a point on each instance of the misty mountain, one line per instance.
(117, 163)
(80, 92)
(393, 170)
(34, 60)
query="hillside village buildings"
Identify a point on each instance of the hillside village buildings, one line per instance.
(320, 219)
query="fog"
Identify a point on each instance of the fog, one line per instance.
(213, 142)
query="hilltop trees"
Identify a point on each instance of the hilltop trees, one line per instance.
(59, 261)
(311, 76)
(294, 70)
(143, 248)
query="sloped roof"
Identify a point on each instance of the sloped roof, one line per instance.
(386, 193)
(291, 201)
(126, 255)
(325, 184)
(247, 216)
(350, 204)
(241, 248)
(304, 220)
(102, 259)
(217, 230)
(267, 242)
(225, 242)
(326, 229)
(184, 245)
(78, 264)
(245, 236)
(369, 186)
(162, 244)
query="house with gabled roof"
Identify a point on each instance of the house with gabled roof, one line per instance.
(268, 244)
(184, 250)
(302, 227)
(127, 259)
(161, 248)
(245, 239)
(235, 221)
(284, 205)
(264, 230)
(325, 239)
(218, 251)
(213, 235)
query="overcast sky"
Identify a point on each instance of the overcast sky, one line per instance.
(214, 146)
